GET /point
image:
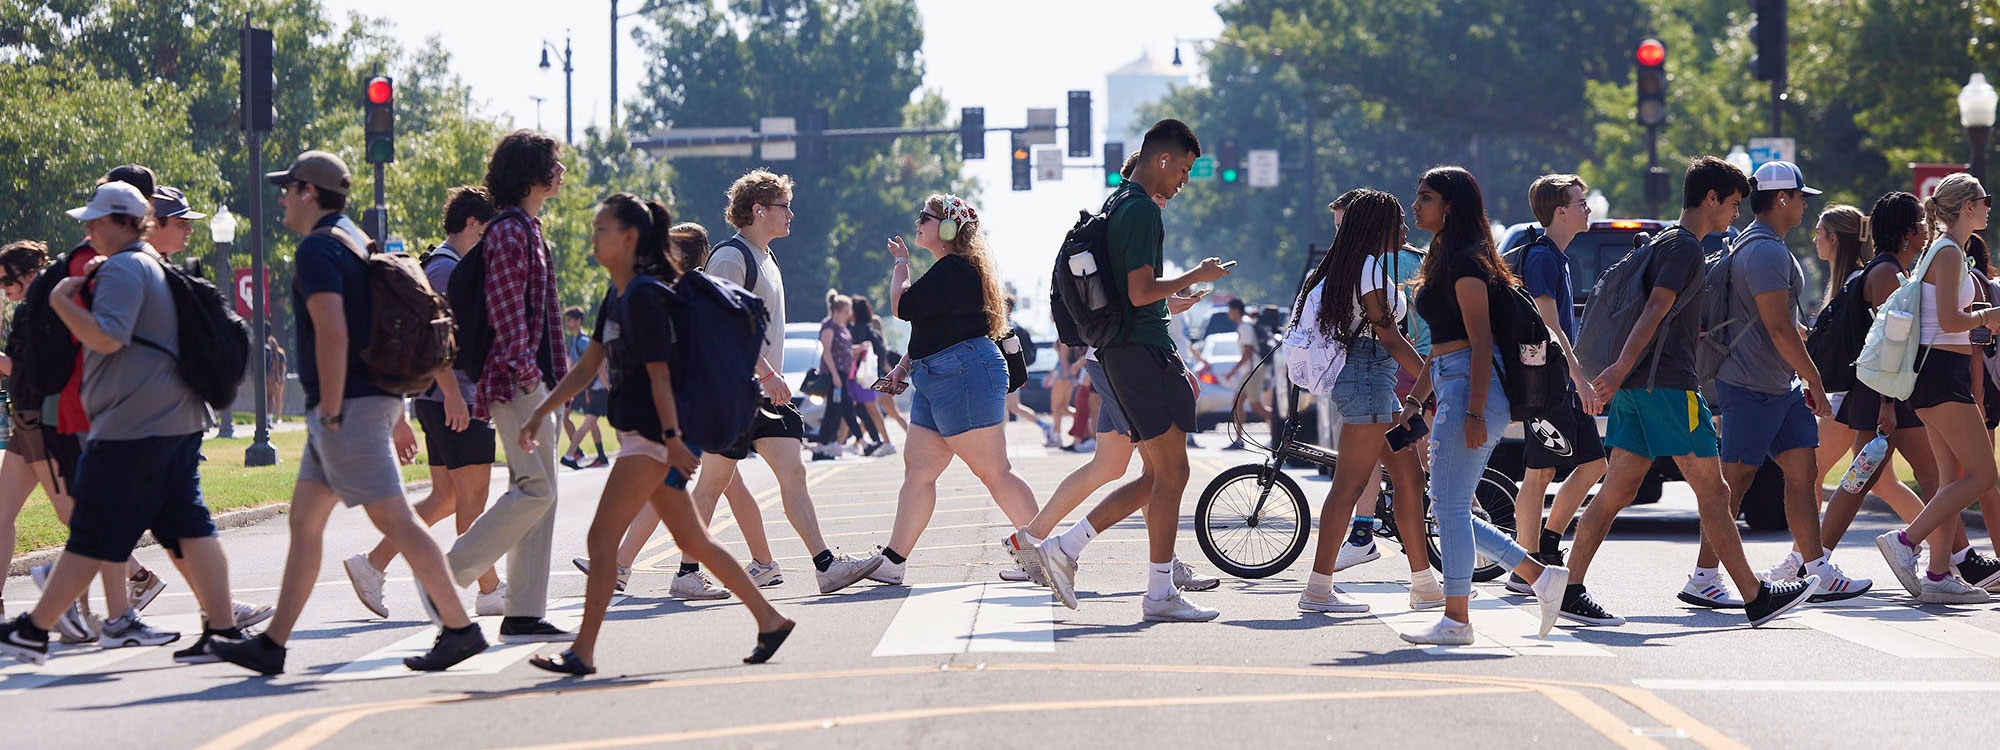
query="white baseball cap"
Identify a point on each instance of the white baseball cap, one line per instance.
(113, 198)
(1781, 175)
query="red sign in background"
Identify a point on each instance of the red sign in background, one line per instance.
(244, 295)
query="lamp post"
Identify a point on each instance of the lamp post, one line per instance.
(222, 229)
(569, 92)
(1599, 205)
(1740, 158)
(1976, 109)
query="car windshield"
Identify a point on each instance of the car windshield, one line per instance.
(1222, 347)
(799, 358)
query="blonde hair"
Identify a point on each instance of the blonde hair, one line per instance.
(1948, 201)
(970, 244)
(837, 301)
(1850, 238)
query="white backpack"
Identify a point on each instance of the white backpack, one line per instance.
(1313, 361)
(1888, 361)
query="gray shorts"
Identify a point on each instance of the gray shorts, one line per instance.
(1110, 418)
(358, 461)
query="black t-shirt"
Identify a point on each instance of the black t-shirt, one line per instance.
(635, 329)
(1437, 301)
(1678, 263)
(946, 306)
(325, 264)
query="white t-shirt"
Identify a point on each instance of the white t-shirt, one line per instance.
(728, 263)
(1372, 280)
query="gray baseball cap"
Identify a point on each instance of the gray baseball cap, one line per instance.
(317, 168)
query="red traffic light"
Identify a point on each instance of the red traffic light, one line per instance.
(380, 90)
(1651, 52)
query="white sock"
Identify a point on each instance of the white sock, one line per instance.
(1319, 583)
(1959, 556)
(1704, 573)
(1425, 578)
(1818, 568)
(1027, 539)
(1159, 580)
(1073, 540)
(1446, 621)
(1826, 552)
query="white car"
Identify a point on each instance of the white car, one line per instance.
(802, 354)
(1217, 400)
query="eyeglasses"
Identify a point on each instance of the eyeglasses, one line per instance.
(785, 206)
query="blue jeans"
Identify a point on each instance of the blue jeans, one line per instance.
(961, 388)
(1456, 470)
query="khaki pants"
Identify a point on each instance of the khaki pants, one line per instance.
(521, 524)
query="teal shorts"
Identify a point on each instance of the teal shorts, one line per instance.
(1660, 422)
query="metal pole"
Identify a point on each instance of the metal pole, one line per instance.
(569, 96)
(1980, 136)
(1777, 114)
(614, 64)
(226, 422)
(260, 452)
(1652, 161)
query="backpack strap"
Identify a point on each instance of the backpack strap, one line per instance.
(1673, 314)
(338, 234)
(751, 264)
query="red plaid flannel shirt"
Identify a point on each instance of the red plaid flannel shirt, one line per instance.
(519, 278)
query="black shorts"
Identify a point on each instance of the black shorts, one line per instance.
(36, 444)
(1149, 382)
(1861, 408)
(1942, 378)
(1566, 438)
(125, 488)
(451, 449)
(595, 402)
(773, 421)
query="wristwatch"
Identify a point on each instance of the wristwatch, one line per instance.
(670, 433)
(326, 421)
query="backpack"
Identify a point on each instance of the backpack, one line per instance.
(214, 343)
(1083, 294)
(1716, 340)
(1615, 305)
(466, 294)
(43, 352)
(715, 393)
(1027, 346)
(1534, 372)
(411, 336)
(1840, 330)
(1312, 361)
(1888, 361)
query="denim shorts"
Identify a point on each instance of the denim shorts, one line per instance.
(1758, 425)
(1365, 390)
(961, 388)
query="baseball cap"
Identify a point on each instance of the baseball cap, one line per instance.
(169, 202)
(137, 175)
(112, 198)
(317, 168)
(1781, 175)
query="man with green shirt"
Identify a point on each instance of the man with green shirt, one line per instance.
(1144, 372)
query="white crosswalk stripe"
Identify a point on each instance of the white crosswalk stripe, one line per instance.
(387, 661)
(955, 618)
(1899, 629)
(70, 661)
(1502, 629)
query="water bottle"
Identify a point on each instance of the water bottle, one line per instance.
(1364, 529)
(1865, 462)
(6, 421)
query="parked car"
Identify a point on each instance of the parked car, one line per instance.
(802, 354)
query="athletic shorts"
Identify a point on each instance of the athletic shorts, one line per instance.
(773, 421)
(1862, 408)
(1565, 438)
(38, 444)
(358, 461)
(447, 448)
(126, 488)
(1152, 381)
(1110, 417)
(1756, 426)
(1942, 378)
(1661, 422)
(635, 445)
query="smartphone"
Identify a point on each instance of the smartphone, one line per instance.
(891, 387)
(1982, 335)
(1228, 263)
(1407, 433)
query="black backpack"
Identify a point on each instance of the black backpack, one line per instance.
(466, 293)
(1840, 330)
(214, 343)
(1084, 298)
(1533, 370)
(715, 393)
(43, 352)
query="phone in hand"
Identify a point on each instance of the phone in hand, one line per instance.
(1403, 435)
(1228, 264)
(891, 387)
(1981, 335)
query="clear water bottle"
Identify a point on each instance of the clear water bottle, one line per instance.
(1865, 462)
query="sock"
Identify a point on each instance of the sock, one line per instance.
(1425, 578)
(1363, 531)
(1959, 556)
(1826, 552)
(1451, 623)
(1551, 541)
(1905, 539)
(1818, 568)
(1027, 540)
(894, 559)
(1934, 576)
(823, 560)
(1073, 541)
(688, 567)
(1704, 574)
(1159, 580)
(1319, 583)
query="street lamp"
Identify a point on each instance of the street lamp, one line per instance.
(222, 229)
(1976, 105)
(569, 79)
(1739, 158)
(765, 14)
(1599, 205)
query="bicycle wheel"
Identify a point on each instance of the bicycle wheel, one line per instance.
(1252, 522)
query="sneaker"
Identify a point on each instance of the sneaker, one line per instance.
(846, 571)
(1444, 633)
(16, 641)
(450, 648)
(75, 627)
(1426, 592)
(144, 589)
(888, 572)
(1016, 575)
(367, 582)
(1186, 579)
(517, 630)
(888, 449)
(1175, 608)
(260, 654)
(1060, 570)
(1902, 561)
(822, 455)
(695, 586)
(129, 630)
(40, 575)
(248, 614)
(1834, 585)
(1192, 443)
(1332, 601)
(574, 462)
(1049, 437)
(203, 652)
(1550, 590)
(1234, 445)
(1711, 592)
(1775, 599)
(1087, 446)
(1351, 555)
(1518, 585)
(601, 462)
(765, 575)
(1786, 570)
(1951, 590)
(1029, 563)
(1579, 608)
(491, 603)
(1980, 570)
(624, 572)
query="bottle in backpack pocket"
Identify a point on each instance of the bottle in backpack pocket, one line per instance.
(1866, 461)
(1535, 355)
(1084, 266)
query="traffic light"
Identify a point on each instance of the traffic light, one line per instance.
(1114, 163)
(379, 120)
(1770, 37)
(1652, 58)
(1226, 165)
(972, 133)
(1079, 124)
(259, 84)
(1024, 173)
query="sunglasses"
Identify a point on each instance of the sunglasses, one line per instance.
(923, 216)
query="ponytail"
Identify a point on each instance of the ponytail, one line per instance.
(653, 221)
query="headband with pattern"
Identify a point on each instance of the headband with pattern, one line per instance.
(956, 209)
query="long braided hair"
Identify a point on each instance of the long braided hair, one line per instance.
(1372, 224)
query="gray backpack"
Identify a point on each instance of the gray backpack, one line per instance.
(1615, 305)
(1720, 331)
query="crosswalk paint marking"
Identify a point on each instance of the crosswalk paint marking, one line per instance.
(954, 618)
(1500, 628)
(1014, 617)
(1899, 630)
(565, 613)
(70, 661)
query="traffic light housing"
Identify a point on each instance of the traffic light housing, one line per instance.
(1024, 173)
(1770, 38)
(972, 133)
(379, 120)
(1652, 58)
(1079, 124)
(1114, 163)
(258, 88)
(1228, 169)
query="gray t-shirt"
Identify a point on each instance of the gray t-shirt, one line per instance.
(1761, 264)
(728, 263)
(438, 271)
(1677, 265)
(136, 393)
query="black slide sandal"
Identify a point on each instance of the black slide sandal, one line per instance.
(768, 643)
(563, 663)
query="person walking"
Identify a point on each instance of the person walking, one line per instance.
(836, 364)
(590, 403)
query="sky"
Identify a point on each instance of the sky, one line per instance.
(1045, 49)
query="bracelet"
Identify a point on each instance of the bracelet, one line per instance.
(902, 261)
(1480, 417)
(766, 378)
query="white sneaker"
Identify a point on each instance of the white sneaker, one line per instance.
(765, 575)
(887, 449)
(846, 571)
(1834, 585)
(1786, 571)
(1016, 575)
(1186, 579)
(1902, 561)
(1027, 563)
(76, 626)
(1175, 608)
(888, 572)
(1425, 591)
(130, 631)
(248, 614)
(1332, 601)
(144, 590)
(1444, 633)
(491, 603)
(696, 587)
(1060, 570)
(1951, 590)
(1351, 555)
(367, 582)
(1549, 591)
(1713, 592)
(624, 572)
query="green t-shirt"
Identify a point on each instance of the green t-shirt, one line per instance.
(1136, 238)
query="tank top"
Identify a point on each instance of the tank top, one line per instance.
(1931, 333)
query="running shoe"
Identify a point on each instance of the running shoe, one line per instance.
(248, 614)
(1175, 608)
(1029, 563)
(1774, 599)
(1332, 601)
(1786, 570)
(765, 575)
(1951, 590)
(144, 588)
(574, 462)
(1578, 607)
(888, 572)
(1187, 580)
(1234, 445)
(1550, 590)
(888, 449)
(76, 627)
(18, 639)
(1060, 570)
(367, 582)
(846, 571)
(1351, 555)
(491, 603)
(1902, 561)
(1711, 592)
(129, 630)
(1444, 633)
(624, 572)
(515, 630)
(1014, 575)
(1982, 571)
(203, 652)
(695, 586)
(452, 647)
(1834, 585)
(260, 654)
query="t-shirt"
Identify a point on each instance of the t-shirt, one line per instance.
(1403, 267)
(577, 344)
(946, 306)
(322, 265)
(135, 392)
(1437, 300)
(1545, 273)
(1372, 280)
(842, 351)
(1677, 264)
(1246, 333)
(634, 329)
(729, 263)
(438, 271)
(1136, 238)
(71, 417)
(1762, 264)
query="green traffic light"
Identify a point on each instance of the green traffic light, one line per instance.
(1229, 175)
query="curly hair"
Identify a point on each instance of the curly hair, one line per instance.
(970, 244)
(1894, 218)
(756, 187)
(521, 161)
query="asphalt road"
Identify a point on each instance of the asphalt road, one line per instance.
(959, 659)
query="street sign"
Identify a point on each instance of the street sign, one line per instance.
(1048, 164)
(696, 135)
(394, 246)
(778, 150)
(1041, 126)
(1927, 176)
(1763, 150)
(1204, 168)
(1263, 167)
(244, 295)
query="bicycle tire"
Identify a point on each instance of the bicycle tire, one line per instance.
(1247, 547)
